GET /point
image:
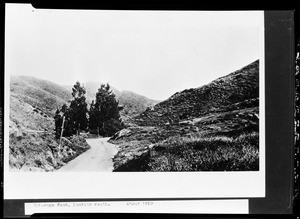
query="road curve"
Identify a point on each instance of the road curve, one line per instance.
(97, 158)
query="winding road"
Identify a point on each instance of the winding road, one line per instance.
(97, 158)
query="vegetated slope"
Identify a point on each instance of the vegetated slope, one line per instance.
(133, 103)
(213, 127)
(32, 144)
(33, 102)
(239, 89)
(43, 95)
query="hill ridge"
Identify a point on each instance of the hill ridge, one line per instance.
(238, 86)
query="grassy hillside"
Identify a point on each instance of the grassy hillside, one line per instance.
(42, 95)
(32, 144)
(210, 128)
(33, 102)
(236, 90)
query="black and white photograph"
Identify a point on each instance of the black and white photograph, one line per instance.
(158, 92)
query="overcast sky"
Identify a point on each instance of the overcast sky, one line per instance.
(153, 53)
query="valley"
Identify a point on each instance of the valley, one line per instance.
(214, 127)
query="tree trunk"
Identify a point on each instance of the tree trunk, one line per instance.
(103, 129)
(62, 131)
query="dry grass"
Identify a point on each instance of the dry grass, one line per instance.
(219, 153)
(39, 152)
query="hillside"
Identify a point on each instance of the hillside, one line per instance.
(33, 103)
(32, 144)
(42, 95)
(236, 90)
(213, 127)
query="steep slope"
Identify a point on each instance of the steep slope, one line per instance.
(33, 102)
(213, 127)
(43, 95)
(236, 90)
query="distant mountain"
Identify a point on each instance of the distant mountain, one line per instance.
(91, 88)
(133, 103)
(237, 90)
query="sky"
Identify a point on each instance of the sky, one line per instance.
(152, 53)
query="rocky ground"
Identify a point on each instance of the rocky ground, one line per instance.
(136, 143)
(227, 108)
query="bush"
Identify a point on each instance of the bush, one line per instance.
(76, 145)
(111, 127)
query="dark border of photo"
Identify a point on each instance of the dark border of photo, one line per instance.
(280, 95)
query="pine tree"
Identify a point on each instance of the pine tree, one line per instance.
(69, 125)
(105, 112)
(75, 115)
(64, 108)
(92, 118)
(78, 108)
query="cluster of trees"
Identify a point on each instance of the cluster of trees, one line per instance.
(102, 118)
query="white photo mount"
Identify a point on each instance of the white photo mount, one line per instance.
(139, 185)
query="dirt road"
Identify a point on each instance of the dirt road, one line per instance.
(97, 158)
